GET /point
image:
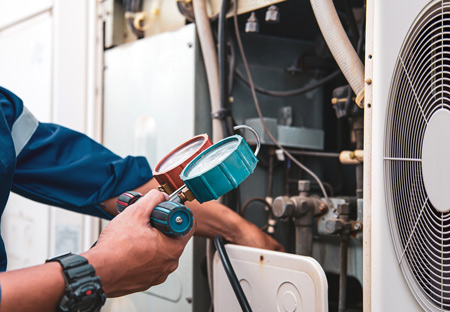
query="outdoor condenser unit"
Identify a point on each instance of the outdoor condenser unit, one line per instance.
(407, 168)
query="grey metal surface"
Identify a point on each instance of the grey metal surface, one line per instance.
(294, 137)
(114, 26)
(326, 247)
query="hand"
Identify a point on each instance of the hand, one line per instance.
(252, 236)
(132, 256)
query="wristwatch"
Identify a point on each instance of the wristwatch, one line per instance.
(84, 291)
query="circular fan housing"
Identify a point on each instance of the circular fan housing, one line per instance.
(417, 157)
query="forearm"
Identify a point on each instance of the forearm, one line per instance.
(110, 204)
(37, 288)
(214, 219)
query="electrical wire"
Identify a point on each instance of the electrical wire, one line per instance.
(240, 295)
(223, 64)
(232, 66)
(293, 92)
(258, 109)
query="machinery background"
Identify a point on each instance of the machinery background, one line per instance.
(97, 64)
(286, 52)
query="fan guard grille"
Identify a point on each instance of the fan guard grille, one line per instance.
(420, 89)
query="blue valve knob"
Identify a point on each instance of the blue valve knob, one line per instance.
(171, 218)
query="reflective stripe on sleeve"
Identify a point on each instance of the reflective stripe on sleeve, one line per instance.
(23, 129)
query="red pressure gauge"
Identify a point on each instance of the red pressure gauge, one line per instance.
(167, 171)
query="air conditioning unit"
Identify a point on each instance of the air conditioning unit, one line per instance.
(407, 144)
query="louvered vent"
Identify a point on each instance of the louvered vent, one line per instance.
(417, 157)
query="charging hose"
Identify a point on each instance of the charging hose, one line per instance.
(220, 246)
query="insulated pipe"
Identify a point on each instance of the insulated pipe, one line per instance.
(209, 52)
(340, 46)
(211, 65)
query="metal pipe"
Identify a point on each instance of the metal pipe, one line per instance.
(270, 181)
(304, 220)
(303, 239)
(344, 217)
(343, 272)
(358, 128)
(314, 154)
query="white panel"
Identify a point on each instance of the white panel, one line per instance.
(392, 19)
(34, 60)
(25, 227)
(26, 67)
(26, 63)
(70, 63)
(271, 281)
(149, 101)
(13, 11)
(77, 68)
(150, 79)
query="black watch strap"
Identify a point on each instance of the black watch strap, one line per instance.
(74, 267)
(83, 290)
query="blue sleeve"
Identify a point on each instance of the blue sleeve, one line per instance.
(65, 168)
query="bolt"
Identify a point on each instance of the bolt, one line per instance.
(304, 185)
(252, 25)
(357, 226)
(179, 220)
(272, 14)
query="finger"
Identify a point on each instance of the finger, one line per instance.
(150, 201)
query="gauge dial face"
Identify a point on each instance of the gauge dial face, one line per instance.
(212, 158)
(181, 155)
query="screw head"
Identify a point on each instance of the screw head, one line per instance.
(179, 220)
(304, 185)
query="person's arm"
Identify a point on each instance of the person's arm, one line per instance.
(129, 256)
(214, 219)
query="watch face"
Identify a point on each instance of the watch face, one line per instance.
(88, 297)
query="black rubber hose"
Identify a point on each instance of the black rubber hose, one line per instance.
(218, 241)
(293, 92)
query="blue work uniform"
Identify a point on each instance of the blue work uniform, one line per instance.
(54, 165)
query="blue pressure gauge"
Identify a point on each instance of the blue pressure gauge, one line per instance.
(220, 168)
